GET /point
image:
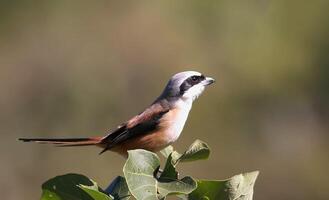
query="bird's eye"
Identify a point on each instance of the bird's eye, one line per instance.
(195, 78)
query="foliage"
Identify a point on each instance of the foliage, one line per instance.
(144, 180)
(237, 187)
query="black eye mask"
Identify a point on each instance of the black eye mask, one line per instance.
(189, 82)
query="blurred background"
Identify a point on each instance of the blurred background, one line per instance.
(79, 68)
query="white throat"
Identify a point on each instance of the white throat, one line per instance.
(193, 93)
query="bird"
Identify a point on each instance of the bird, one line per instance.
(157, 127)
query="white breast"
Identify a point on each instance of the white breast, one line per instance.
(175, 119)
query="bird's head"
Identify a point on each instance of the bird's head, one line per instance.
(187, 85)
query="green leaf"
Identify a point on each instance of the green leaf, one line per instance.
(138, 170)
(239, 187)
(169, 172)
(184, 186)
(198, 150)
(167, 151)
(66, 187)
(168, 182)
(119, 189)
(49, 195)
(94, 192)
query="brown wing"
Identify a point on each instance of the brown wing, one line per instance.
(143, 123)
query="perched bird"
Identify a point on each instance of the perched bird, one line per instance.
(156, 127)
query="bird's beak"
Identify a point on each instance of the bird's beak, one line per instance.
(209, 81)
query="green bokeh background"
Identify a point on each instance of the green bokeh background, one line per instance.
(79, 68)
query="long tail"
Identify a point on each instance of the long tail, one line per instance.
(65, 141)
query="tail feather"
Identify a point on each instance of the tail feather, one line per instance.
(65, 141)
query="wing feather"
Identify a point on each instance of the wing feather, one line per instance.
(143, 123)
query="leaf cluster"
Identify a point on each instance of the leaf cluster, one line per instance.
(145, 180)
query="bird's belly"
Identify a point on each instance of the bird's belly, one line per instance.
(154, 141)
(168, 131)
